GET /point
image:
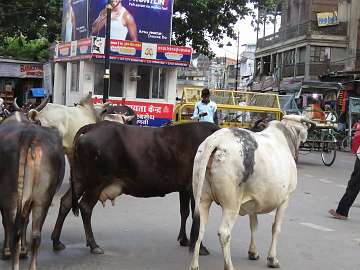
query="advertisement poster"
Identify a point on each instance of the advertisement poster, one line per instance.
(136, 20)
(75, 20)
(148, 113)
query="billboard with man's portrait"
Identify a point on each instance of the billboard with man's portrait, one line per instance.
(136, 20)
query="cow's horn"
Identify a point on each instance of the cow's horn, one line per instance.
(86, 100)
(42, 104)
(15, 105)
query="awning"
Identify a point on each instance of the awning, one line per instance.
(38, 92)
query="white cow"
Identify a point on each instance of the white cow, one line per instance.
(247, 173)
(68, 120)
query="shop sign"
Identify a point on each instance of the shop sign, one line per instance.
(327, 18)
(31, 70)
(148, 113)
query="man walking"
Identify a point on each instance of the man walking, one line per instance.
(352, 189)
(205, 109)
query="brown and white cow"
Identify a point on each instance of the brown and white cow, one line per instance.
(32, 166)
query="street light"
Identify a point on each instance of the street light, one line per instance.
(107, 52)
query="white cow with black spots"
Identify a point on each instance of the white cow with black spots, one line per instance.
(247, 173)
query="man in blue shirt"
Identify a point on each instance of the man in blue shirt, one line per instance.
(205, 110)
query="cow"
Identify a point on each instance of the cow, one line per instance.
(68, 120)
(112, 159)
(246, 173)
(32, 168)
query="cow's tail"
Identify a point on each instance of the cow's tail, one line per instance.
(29, 170)
(203, 155)
(75, 189)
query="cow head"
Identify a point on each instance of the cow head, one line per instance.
(33, 114)
(296, 130)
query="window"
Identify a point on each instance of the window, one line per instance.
(319, 54)
(152, 83)
(99, 79)
(289, 57)
(116, 80)
(158, 86)
(75, 77)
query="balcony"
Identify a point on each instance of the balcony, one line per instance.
(304, 29)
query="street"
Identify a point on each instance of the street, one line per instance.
(140, 234)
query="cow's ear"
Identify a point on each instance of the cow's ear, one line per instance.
(33, 115)
(86, 100)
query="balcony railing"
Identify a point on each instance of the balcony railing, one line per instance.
(304, 29)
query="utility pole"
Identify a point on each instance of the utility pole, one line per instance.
(107, 52)
(237, 61)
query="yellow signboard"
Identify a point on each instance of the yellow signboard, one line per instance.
(327, 18)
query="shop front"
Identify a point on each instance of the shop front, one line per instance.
(18, 78)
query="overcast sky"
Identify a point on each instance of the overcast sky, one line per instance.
(247, 36)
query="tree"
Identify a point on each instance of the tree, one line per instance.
(19, 47)
(196, 22)
(31, 19)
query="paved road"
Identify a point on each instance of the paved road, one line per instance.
(141, 234)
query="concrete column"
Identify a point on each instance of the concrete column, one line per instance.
(171, 82)
(296, 60)
(261, 65)
(307, 62)
(59, 83)
(271, 63)
(67, 83)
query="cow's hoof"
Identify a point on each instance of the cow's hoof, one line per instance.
(97, 251)
(6, 254)
(23, 253)
(203, 251)
(184, 242)
(273, 263)
(194, 268)
(253, 256)
(58, 246)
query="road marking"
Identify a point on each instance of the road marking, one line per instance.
(317, 227)
(341, 186)
(325, 181)
(308, 175)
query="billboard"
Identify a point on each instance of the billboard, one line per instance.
(146, 21)
(75, 20)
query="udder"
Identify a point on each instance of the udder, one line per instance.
(110, 193)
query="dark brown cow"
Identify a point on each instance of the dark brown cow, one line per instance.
(113, 159)
(32, 167)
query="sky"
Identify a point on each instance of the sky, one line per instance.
(247, 36)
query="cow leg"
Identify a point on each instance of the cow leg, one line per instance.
(6, 220)
(184, 212)
(38, 217)
(272, 260)
(65, 207)
(253, 253)
(24, 244)
(87, 204)
(204, 208)
(203, 250)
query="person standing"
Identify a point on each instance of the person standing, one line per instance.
(205, 109)
(352, 190)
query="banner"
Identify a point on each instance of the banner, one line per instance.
(75, 20)
(136, 20)
(327, 18)
(148, 113)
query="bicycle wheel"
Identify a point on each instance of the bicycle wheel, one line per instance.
(328, 153)
(346, 144)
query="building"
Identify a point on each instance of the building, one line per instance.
(143, 64)
(19, 79)
(316, 37)
(245, 68)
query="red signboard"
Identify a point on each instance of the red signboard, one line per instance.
(31, 70)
